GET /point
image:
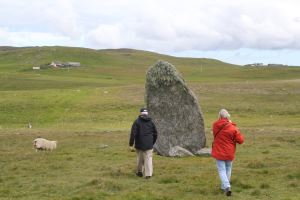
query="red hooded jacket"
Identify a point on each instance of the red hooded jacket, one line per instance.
(226, 135)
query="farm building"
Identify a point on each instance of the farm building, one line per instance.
(64, 64)
(255, 65)
(276, 65)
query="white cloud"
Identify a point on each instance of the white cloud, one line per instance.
(23, 38)
(106, 36)
(63, 18)
(51, 17)
(165, 26)
(201, 25)
(4, 35)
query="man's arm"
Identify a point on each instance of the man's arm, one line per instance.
(154, 133)
(133, 133)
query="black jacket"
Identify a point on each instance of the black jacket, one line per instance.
(143, 133)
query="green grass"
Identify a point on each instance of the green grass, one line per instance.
(80, 169)
(96, 104)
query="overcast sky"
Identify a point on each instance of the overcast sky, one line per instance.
(235, 31)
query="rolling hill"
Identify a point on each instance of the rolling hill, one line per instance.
(114, 67)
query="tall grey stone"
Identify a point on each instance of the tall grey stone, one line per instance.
(175, 111)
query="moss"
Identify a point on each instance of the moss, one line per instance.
(163, 74)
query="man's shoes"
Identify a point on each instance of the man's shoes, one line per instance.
(148, 177)
(228, 191)
(139, 174)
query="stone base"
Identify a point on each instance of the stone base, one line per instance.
(204, 152)
(178, 151)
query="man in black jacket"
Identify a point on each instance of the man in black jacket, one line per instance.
(143, 136)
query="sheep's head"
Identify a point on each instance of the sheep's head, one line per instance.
(34, 143)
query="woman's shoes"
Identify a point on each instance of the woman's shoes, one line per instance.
(228, 191)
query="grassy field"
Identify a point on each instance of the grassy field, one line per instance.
(95, 104)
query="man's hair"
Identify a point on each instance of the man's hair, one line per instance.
(224, 114)
(144, 111)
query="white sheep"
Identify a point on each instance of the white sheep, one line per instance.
(43, 144)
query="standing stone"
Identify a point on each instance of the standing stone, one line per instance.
(175, 111)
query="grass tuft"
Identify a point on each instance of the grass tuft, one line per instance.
(255, 193)
(168, 180)
(241, 184)
(294, 185)
(94, 182)
(266, 152)
(255, 164)
(264, 186)
(294, 176)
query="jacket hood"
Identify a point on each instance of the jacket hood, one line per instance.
(221, 122)
(145, 117)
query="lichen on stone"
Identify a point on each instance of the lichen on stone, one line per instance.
(163, 74)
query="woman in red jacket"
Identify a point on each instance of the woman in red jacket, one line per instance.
(226, 135)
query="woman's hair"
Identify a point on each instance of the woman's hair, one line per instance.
(224, 114)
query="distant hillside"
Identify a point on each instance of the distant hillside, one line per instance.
(8, 48)
(28, 56)
(114, 67)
